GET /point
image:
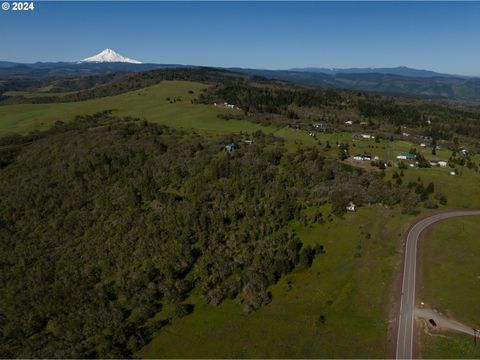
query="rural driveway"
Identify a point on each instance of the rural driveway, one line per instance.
(407, 302)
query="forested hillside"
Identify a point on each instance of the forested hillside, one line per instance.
(103, 221)
(287, 105)
(418, 83)
(90, 87)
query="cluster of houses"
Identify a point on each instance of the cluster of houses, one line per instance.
(408, 156)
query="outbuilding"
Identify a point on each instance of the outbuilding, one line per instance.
(351, 207)
(362, 157)
(407, 156)
(230, 147)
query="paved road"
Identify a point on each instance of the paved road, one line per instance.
(407, 303)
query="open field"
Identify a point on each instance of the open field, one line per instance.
(450, 346)
(460, 190)
(148, 103)
(349, 285)
(451, 282)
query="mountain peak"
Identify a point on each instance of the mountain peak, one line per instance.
(109, 55)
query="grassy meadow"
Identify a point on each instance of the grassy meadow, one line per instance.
(451, 283)
(149, 103)
(451, 346)
(458, 189)
(348, 286)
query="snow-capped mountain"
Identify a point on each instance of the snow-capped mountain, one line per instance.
(108, 55)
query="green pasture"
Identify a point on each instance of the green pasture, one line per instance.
(449, 346)
(461, 190)
(451, 284)
(348, 285)
(149, 103)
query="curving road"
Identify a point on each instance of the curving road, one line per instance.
(407, 302)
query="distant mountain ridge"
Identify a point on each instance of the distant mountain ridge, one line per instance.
(74, 69)
(399, 70)
(439, 87)
(395, 81)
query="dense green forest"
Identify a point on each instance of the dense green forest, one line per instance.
(103, 221)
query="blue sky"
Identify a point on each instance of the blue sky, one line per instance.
(441, 36)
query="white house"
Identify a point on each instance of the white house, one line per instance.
(351, 207)
(362, 136)
(362, 157)
(441, 163)
(349, 122)
(423, 145)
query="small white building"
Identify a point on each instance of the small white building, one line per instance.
(423, 145)
(362, 136)
(351, 207)
(349, 122)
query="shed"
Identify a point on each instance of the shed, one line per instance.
(406, 156)
(351, 207)
(230, 147)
